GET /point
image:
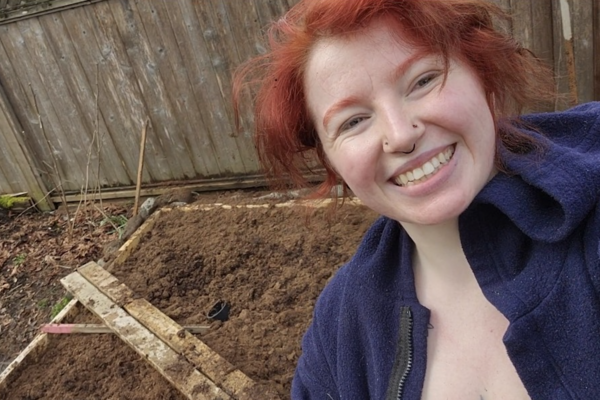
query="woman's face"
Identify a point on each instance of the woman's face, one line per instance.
(374, 98)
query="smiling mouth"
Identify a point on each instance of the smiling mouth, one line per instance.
(427, 170)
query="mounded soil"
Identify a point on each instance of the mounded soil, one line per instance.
(268, 263)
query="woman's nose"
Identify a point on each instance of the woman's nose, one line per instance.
(400, 133)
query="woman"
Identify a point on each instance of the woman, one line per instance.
(482, 278)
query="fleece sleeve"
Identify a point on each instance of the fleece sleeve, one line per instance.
(315, 376)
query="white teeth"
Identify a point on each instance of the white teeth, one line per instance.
(424, 171)
(428, 168)
(418, 173)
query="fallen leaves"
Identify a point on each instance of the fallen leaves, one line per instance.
(36, 251)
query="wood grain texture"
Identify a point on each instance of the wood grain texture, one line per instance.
(84, 90)
(210, 363)
(143, 49)
(583, 47)
(213, 68)
(561, 68)
(34, 350)
(176, 369)
(100, 70)
(32, 83)
(16, 162)
(173, 71)
(58, 102)
(106, 67)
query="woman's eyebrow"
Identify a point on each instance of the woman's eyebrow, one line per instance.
(409, 62)
(348, 101)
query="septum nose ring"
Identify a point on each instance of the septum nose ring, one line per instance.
(411, 150)
(405, 152)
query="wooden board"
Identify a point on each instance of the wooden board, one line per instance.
(172, 70)
(101, 328)
(176, 369)
(210, 363)
(33, 351)
(164, 129)
(231, 380)
(85, 92)
(17, 172)
(28, 11)
(125, 251)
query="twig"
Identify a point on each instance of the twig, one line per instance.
(138, 186)
(54, 163)
(15, 288)
(95, 140)
(97, 134)
(34, 204)
(107, 218)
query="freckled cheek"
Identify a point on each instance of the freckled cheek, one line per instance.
(356, 172)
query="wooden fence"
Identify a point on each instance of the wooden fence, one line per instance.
(78, 85)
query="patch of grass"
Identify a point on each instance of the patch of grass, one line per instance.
(118, 222)
(20, 259)
(60, 305)
(44, 303)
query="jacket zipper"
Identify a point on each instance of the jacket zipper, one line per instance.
(404, 356)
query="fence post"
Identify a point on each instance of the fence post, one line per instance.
(18, 160)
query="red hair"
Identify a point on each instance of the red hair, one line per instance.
(285, 137)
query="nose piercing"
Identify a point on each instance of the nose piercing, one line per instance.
(411, 150)
(403, 152)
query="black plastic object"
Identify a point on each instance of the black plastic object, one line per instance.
(220, 311)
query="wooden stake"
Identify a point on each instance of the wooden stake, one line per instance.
(138, 186)
(101, 328)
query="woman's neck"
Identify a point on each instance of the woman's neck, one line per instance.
(438, 253)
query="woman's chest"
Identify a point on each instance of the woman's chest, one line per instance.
(466, 358)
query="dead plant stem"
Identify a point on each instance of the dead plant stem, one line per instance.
(54, 163)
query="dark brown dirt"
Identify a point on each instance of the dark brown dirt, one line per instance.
(36, 251)
(269, 263)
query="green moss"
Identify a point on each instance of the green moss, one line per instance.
(7, 201)
(60, 305)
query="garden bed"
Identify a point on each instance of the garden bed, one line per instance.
(268, 261)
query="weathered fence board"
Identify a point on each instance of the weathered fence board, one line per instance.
(84, 90)
(16, 170)
(99, 71)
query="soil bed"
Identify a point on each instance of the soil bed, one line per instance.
(269, 263)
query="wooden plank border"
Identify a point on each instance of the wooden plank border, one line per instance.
(177, 370)
(204, 185)
(36, 348)
(220, 371)
(231, 379)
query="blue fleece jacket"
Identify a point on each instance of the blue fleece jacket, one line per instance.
(533, 242)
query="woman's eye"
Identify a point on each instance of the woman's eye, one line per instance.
(351, 123)
(425, 80)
